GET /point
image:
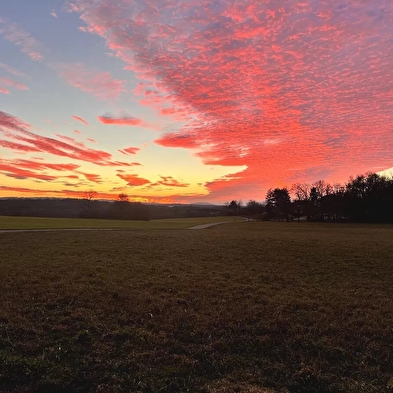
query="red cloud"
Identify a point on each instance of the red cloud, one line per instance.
(4, 91)
(19, 147)
(121, 121)
(179, 114)
(130, 150)
(99, 84)
(133, 180)
(83, 121)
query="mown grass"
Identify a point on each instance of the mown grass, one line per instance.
(249, 307)
(70, 223)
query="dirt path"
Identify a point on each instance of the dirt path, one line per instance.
(203, 226)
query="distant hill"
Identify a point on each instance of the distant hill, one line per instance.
(202, 204)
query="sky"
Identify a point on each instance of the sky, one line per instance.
(180, 101)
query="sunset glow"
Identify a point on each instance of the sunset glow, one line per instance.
(190, 101)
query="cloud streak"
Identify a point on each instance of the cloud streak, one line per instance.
(81, 120)
(96, 83)
(126, 120)
(14, 33)
(11, 83)
(133, 180)
(12, 70)
(121, 120)
(130, 150)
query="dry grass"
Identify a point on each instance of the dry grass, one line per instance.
(251, 307)
(7, 222)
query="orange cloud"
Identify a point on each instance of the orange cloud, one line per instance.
(94, 178)
(171, 182)
(133, 180)
(58, 193)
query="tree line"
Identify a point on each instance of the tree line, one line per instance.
(364, 198)
(90, 207)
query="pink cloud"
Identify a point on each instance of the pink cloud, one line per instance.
(99, 84)
(120, 121)
(130, 150)
(4, 91)
(70, 140)
(12, 32)
(81, 120)
(12, 70)
(11, 83)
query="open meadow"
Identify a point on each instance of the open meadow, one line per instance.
(7, 222)
(242, 307)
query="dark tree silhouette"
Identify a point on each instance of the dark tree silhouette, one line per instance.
(254, 209)
(278, 203)
(233, 208)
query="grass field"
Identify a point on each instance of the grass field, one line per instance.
(245, 307)
(69, 223)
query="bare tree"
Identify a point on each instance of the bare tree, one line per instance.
(302, 194)
(89, 196)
